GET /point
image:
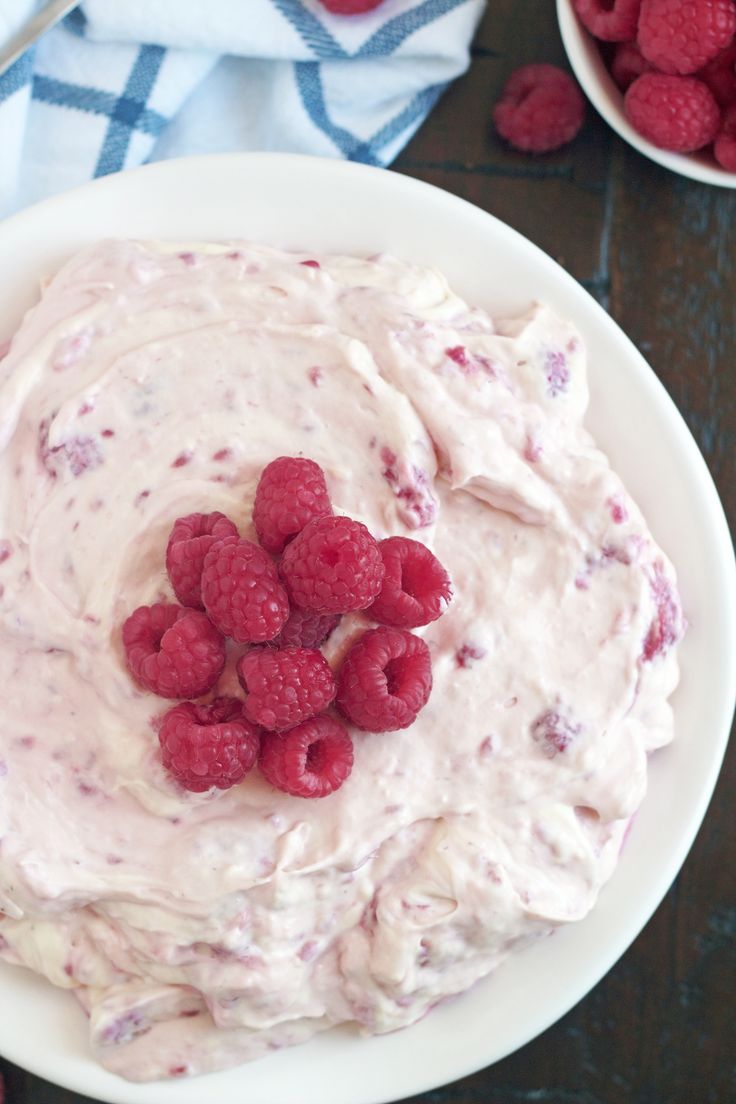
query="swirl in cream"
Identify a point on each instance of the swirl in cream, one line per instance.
(202, 930)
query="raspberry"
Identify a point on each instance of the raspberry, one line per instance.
(725, 146)
(242, 593)
(208, 745)
(720, 76)
(172, 651)
(666, 627)
(611, 20)
(468, 655)
(350, 7)
(680, 36)
(628, 64)
(306, 630)
(311, 760)
(674, 113)
(416, 588)
(554, 731)
(416, 504)
(290, 492)
(191, 538)
(285, 687)
(541, 108)
(385, 680)
(333, 566)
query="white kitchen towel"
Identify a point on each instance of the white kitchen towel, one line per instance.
(120, 82)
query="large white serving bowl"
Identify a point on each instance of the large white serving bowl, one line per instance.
(326, 205)
(584, 56)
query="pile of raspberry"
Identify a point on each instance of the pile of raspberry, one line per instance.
(277, 601)
(675, 62)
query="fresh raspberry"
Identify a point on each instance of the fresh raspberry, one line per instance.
(350, 7)
(674, 113)
(306, 630)
(311, 760)
(333, 566)
(242, 592)
(541, 108)
(720, 76)
(680, 36)
(285, 687)
(172, 651)
(611, 20)
(290, 492)
(416, 588)
(725, 144)
(191, 539)
(628, 64)
(208, 745)
(385, 680)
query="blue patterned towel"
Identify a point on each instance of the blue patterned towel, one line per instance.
(120, 82)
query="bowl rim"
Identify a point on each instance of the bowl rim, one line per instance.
(584, 56)
(153, 183)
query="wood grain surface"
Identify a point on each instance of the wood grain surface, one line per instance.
(658, 252)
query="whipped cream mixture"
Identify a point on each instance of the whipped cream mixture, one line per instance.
(202, 930)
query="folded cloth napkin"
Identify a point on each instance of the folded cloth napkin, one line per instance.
(120, 82)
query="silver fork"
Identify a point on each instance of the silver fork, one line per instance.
(36, 26)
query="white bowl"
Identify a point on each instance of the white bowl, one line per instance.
(328, 205)
(599, 86)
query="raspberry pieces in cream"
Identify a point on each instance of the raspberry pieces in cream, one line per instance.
(199, 930)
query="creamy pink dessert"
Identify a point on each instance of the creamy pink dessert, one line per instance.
(202, 930)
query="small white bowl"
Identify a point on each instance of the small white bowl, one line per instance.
(599, 86)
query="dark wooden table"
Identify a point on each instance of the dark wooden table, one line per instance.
(658, 251)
